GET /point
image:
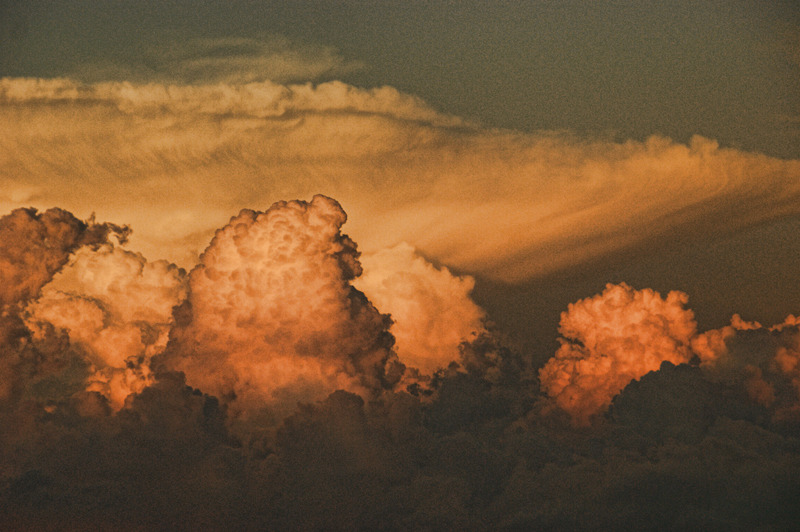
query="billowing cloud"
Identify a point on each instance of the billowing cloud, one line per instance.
(617, 337)
(502, 204)
(764, 361)
(611, 339)
(115, 306)
(120, 410)
(272, 318)
(33, 247)
(36, 245)
(431, 309)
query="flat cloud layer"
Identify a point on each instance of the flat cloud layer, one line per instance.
(175, 160)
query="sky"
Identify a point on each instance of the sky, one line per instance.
(427, 265)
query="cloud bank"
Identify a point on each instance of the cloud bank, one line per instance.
(289, 382)
(174, 160)
(263, 390)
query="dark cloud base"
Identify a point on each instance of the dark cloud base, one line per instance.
(477, 448)
(477, 457)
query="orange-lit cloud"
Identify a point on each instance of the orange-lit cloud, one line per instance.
(764, 360)
(175, 160)
(271, 317)
(611, 339)
(273, 387)
(616, 337)
(115, 306)
(33, 247)
(431, 309)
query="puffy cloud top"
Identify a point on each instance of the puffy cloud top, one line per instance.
(271, 314)
(431, 308)
(612, 339)
(116, 306)
(271, 318)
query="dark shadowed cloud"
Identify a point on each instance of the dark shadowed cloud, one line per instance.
(481, 443)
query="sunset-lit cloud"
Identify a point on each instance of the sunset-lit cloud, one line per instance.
(612, 339)
(266, 319)
(175, 160)
(617, 337)
(765, 361)
(115, 306)
(431, 309)
(418, 266)
(280, 385)
(271, 317)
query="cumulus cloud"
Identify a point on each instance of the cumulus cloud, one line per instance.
(206, 432)
(94, 405)
(33, 247)
(611, 339)
(617, 337)
(431, 309)
(764, 361)
(117, 307)
(36, 245)
(502, 204)
(272, 318)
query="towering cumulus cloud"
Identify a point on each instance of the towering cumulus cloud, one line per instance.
(271, 317)
(134, 396)
(612, 339)
(619, 336)
(33, 247)
(431, 308)
(115, 306)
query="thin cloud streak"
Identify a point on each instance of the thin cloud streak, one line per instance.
(230, 60)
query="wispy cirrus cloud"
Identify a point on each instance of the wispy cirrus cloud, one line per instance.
(175, 161)
(203, 60)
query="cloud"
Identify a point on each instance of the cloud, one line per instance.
(104, 424)
(611, 339)
(272, 318)
(230, 60)
(207, 432)
(115, 306)
(763, 361)
(36, 245)
(175, 160)
(431, 309)
(33, 247)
